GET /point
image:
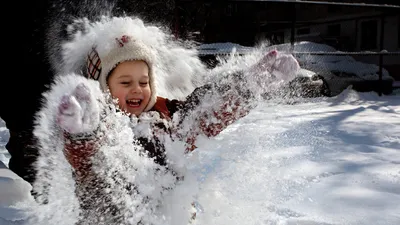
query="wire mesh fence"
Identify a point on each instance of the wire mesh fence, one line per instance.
(345, 43)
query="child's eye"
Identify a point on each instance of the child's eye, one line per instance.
(125, 82)
(143, 84)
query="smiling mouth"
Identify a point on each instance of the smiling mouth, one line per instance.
(134, 103)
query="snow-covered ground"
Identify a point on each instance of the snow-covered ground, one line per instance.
(304, 161)
(318, 161)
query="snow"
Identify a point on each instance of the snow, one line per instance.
(332, 161)
(223, 48)
(4, 136)
(318, 161)
(13, 189)
(299, 161)
(332, 63)
(322, 64)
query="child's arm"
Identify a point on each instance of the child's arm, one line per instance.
(78, 150)
(79, 118)
(209, 109)
(213, 107)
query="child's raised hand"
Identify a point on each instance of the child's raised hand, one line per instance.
(79, 111)
(280, 64)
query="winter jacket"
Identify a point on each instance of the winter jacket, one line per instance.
(231, 103)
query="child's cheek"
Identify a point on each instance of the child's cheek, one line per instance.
(121, 101)
(122, 105)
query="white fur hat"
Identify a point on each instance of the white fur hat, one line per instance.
(175, 70)
(101, 61)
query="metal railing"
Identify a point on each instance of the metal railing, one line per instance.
(378, 54)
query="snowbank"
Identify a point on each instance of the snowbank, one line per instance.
(13, 190)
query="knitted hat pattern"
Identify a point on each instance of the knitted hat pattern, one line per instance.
(124, 48)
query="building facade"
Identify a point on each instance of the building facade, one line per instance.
(355, 26)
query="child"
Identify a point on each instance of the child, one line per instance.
(125, 68)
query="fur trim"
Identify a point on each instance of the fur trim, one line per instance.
(176, 70)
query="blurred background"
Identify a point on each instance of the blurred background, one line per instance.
(338, 43)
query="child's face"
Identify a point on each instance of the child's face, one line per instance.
(129, 82)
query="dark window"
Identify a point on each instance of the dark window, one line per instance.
(369, 35)
(303, 31)
(334, 30)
